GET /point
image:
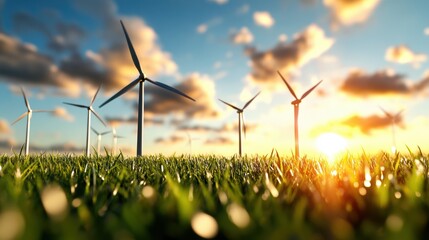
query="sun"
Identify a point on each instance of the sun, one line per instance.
(331, 144)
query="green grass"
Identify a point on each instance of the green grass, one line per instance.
(263, 197)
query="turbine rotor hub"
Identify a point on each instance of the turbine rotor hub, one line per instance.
(296, 102)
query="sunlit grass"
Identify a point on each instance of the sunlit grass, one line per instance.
(260, 197)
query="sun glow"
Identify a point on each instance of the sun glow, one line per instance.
(331, 144)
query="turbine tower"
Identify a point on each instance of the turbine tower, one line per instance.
(393, 118)
(88, 126)
(295, 104)
(140, 80)
(99, 138)
(29, 114)
(240, 119)
(115, 140)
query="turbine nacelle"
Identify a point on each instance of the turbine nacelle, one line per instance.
(296, 102)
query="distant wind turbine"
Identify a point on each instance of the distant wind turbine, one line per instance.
(240, 119)
(88, 127)
(115, 140)
(295, 104)
(99, 137)
(140, 80)
(393, 118)
(29, 114)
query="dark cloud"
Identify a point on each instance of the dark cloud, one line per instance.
(116, 121)
(199, 87)
(287, 57)
(22, 63)
(358, 124)
(219, 141)
(358, 83)
(170, 141)
(24, 22)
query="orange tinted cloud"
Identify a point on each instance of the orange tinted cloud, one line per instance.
(403, 55)
(4, 127)
(359, 83)
(243, 36)
(349, 12)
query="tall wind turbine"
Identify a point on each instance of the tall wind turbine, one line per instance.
(29, 114)
(295, 104)
(99, 137)
(240, 119)
(393, 118)
(88, 127)
(140, 80)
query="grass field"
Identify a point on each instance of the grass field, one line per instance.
(379, 196)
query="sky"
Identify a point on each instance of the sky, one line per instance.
(370, 54)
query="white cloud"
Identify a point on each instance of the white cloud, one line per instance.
(403, 55)
(63, 113)
(347, 12)
(202, 28)
(426, 31)
(243, 36)
(263, 19)
(220, 2)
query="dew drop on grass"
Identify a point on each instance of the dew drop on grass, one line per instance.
(394, 223)
(223, 198)
(18, 173)
(115, 191)
(204, 225)
(148, 192)
(54, 201)
(398, 195)
(418, 194)
(76, 202)
(367, 184)
(238, 215)
(378, 183)
(362, 191)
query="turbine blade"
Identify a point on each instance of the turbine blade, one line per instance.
(104, 133)
(27, 104)
(236, 108)
(398, 114)
(76, 105)
(166, 87)
(19, 118)
(95, 95)
(95, 131)
(386, 113)
(310, 90)
(132, 51)
(122, 91)
(247, 104)
(43, 111)
(119, 136)
(288, 86)
(99, 118)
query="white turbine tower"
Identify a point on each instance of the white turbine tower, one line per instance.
(240, 119)
(99, 138)
(115, 140)
(29, 114)
(88, 127)
(393, 118)
(140, 80)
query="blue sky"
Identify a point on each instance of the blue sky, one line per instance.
(369, 53)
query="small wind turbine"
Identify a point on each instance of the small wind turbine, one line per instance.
(29, 114)
(88, 127)
(115, 140)
(99, 137)
(240, 118)
(393, 118)
(140, 80)
(190, 142)
(295, 104)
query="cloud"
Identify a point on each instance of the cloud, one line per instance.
(243, 9)
(287, 57)
(220, 2)
(349, 12)
(4, 127)
(426, 31)
(21, 63)
(226, 128)
(204, 27)
(243, 36)
(356, 124)
(263, 19)
(219, 141)
(359, 83)
(6, 144)
(403, 55)
(117, 121)
(63, 113)
(199, 87)
(170, 141)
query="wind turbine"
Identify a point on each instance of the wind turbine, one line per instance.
(295, 104)
(29, 114)
(88, 127)
(140, 80)
(99, 137)
(393, 118)
(240, 118)
(115, 140)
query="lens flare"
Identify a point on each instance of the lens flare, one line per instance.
(331, 144)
